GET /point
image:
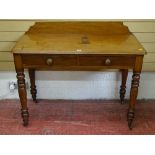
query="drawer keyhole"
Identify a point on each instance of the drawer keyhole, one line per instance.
(49, 61)
(108, 61)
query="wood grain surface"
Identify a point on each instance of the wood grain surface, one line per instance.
(67, 38)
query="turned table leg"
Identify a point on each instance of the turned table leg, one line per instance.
(133, 96)
(123, 85)
(134, 90)
(23, 97)
(21, 88)
(33, 86)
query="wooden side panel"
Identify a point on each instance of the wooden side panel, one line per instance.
(149, 47)
(7, 46)
(6, 56)
(7, 66)
(150, 58)
(149, 67)
(10, 32)
(10, 36)
(145, 37)
(141, 26)
(11, 26)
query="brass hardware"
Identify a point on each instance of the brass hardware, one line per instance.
(49, 61)
(107, 61)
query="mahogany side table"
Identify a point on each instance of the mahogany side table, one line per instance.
(78, 46)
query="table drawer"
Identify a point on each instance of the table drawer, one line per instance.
(49, 60)
(92, 60)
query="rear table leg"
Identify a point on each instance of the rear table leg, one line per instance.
(33, 86)
(123, 85)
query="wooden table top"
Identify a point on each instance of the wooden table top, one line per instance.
(79, 38)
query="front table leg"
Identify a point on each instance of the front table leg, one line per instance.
(133, 96)
(134, 89)
(21, 88)
(23, 97)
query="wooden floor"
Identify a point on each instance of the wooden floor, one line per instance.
(56, 117)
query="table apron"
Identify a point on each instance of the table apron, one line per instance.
(77, 62)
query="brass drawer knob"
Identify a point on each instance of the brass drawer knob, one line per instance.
(108, 61)
(49, 61)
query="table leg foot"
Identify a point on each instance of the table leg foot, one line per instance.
(130, 118)
(122, 97)
(25, 116)
(35, 100)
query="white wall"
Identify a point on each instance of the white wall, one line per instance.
(79, 85)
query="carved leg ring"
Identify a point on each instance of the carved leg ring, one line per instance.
(23, 97)
(133, 97)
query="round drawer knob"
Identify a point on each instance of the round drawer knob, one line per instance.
(49, 61)
(108, 61)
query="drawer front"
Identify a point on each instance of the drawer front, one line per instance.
(49, 60)
(111, 61)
